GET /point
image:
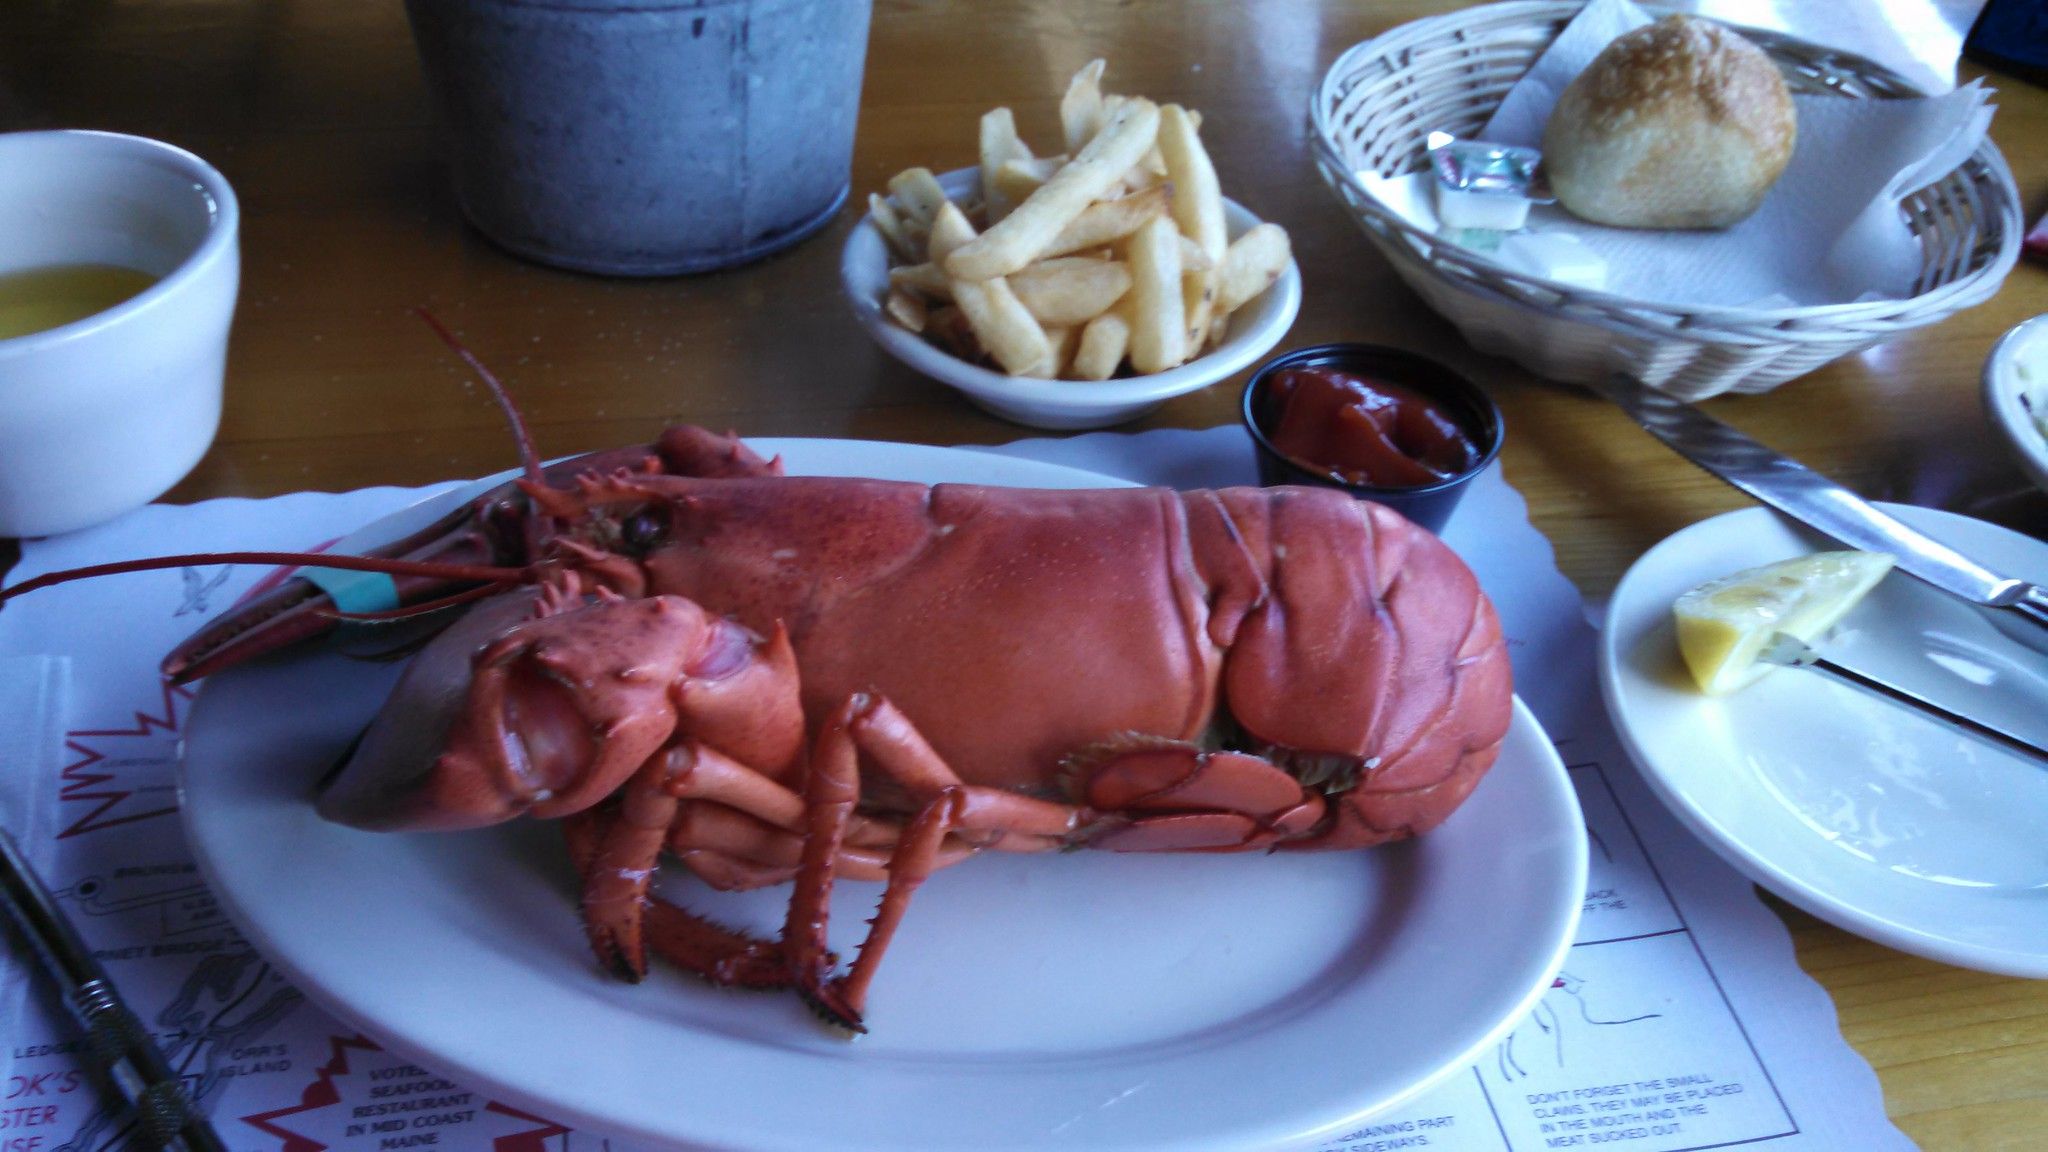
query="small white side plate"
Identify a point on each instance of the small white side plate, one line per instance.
(1085, 1000)
(2016, 399)
(1862, 811)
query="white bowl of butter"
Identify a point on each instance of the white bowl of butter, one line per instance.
(118, 273)
(2016, 394)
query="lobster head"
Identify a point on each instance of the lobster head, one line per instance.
(542, 703)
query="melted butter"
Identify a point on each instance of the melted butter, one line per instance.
(38, 299)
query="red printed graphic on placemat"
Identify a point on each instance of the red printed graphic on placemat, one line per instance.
(366, 1098)
(125, 774)
(122, 775)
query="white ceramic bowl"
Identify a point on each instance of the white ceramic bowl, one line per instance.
(2008, 394)
(103, 415)
(1064, 405)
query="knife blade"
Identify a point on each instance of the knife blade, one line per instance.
(1818, 502)
(1789, 651)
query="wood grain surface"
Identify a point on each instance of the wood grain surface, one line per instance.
(317, 114)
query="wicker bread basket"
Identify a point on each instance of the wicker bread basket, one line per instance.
(1450, 72)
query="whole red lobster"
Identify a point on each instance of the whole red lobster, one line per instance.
(778, 678)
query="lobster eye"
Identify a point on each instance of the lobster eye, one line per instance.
(505, 523)
(643, 531)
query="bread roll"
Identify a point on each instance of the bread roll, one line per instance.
(1680, 124)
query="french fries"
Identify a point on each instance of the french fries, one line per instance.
(926, 280)
(1159, 338)
(1112, 257)
(919, 193)
(1081, 107)
(1016, 179)
(1000, 321)
(890, 224)
(1251, 264)
(1198, 209)
(907, 310)
(1072, 289)
(999, 146)
(1103, 344)
(1108, 221)
(1025, 234)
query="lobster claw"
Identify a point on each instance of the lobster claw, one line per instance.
(497, 527)
(386, 780)
(540, 701)
(481, 532)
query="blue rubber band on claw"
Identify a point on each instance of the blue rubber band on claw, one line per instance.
(355, 592)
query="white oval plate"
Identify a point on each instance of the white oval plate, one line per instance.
(1861, 811)
(1084, 1000)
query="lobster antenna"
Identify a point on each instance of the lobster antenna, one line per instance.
(480, 572)
(414, 611)
(528, 458)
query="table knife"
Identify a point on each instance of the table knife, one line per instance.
(1821, 504)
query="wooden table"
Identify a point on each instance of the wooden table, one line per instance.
(317, 115)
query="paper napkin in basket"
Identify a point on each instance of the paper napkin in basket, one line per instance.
(1829, 232)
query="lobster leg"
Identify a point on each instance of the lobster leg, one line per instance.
(617, 878)
(690, 942)
(730, 873)
(1174, 797)
(947, 805)
(739, 846)
(720, 817)
(619, 868)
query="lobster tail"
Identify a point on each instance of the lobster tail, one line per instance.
(1371, 663)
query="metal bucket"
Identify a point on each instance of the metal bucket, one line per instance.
(642, 138)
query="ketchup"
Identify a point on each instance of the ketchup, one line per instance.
(1364, 431)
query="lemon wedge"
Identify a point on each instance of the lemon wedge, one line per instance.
(1723, 624)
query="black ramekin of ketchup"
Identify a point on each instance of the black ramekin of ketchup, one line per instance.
(1382, 424)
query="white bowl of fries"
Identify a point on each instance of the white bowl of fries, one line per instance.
(1080, 293)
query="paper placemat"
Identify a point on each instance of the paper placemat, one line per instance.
(1681, 1021)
